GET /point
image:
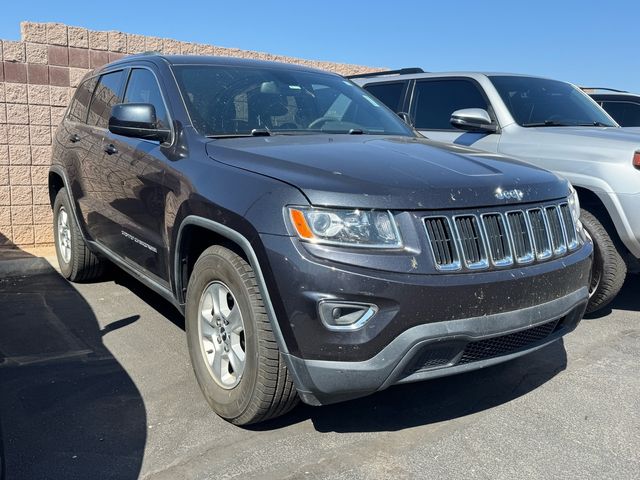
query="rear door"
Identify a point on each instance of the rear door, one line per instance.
(392, 94)
(434, 100)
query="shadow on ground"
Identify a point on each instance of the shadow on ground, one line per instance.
(67, 409)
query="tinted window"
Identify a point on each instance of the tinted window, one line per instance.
(143, 88)
(81, 100)
(388, 93)
(627, 114)
(436, 100)
(227, 100)
(106, 95)
(538, 102)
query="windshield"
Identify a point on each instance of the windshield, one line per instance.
(537, 102)
(236, 100)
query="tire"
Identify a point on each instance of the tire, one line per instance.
(609, 268)
(77, 263)
(263, 389)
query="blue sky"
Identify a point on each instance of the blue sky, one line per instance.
(590, 43)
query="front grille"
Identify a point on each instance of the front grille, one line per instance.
(493, 239)
(505, 344)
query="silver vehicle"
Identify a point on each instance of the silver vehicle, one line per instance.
(546, 122)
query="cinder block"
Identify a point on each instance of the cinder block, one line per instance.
(13, 51)
(37, 74)
(57, 34)
(57, 114)
(18, 134)
(58, 55)
(2, 92)
(19, 155)
(59, 96)
(79, 57)
(22, 235)
(97, 58)
(135, 43)
(76, 75)
(43, 234)
(42, 214)
(20, 175)
(187, 48)
(206, 50)
(59, 76)
(98, 40)
(78, 37)
(40, 175)
(41, 154)
(15, 72)
(33, 32)
(36, 53)
(170, 46)
(153, 44)
(5, 222)
(21, 195)
(4, 177)
(39, 115)
(117, 41)
(40, 196)
(113, 56)
(40, 134)
(3, 141)
(5, 196)
(21, 215)
(18, 113)
(39, 95)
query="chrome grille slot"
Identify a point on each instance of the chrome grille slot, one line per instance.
(541, 239)
(442, 244)
(520, 237)
(556, 229)
(497, 239)
(569, 227)
(471, 241)
(481, 240)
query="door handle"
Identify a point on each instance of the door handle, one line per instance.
(110, 149)
(74, 138)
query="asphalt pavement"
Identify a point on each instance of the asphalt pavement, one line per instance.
(95, 383)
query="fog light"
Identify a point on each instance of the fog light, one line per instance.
(345, 316)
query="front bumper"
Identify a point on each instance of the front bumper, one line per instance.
(427, 325)
(440, 349)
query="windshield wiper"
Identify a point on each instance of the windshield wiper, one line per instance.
(256, 132)
(548, 123)
(594, 124)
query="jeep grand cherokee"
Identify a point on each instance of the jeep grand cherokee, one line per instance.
(316, 245)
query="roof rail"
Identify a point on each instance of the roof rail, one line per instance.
(593, 89)
(402, 71)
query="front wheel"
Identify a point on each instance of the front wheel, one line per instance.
(609, 268)
(234, 354)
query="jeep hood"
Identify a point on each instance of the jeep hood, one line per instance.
(387, 172)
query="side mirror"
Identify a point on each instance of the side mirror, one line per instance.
(405, 118)
(473, 120)
(137, 120)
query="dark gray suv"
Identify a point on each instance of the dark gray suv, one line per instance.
(318, 248)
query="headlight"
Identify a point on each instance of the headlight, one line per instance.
(574, 207)
(353, 228)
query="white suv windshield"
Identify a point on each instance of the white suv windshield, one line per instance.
(538, 102)
(236, 100)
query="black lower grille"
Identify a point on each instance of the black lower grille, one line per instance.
(505, 344)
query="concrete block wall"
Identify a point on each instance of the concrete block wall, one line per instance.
(38, 75)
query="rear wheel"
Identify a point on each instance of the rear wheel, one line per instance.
(77, 263)
(609, 268)
(234, 354)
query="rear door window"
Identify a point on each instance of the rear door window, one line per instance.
(80, 104)
(391, 94)
(106, 95)
(435, 101)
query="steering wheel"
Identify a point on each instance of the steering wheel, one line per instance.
(318, 122)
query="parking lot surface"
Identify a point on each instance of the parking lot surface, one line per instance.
(95, 382)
